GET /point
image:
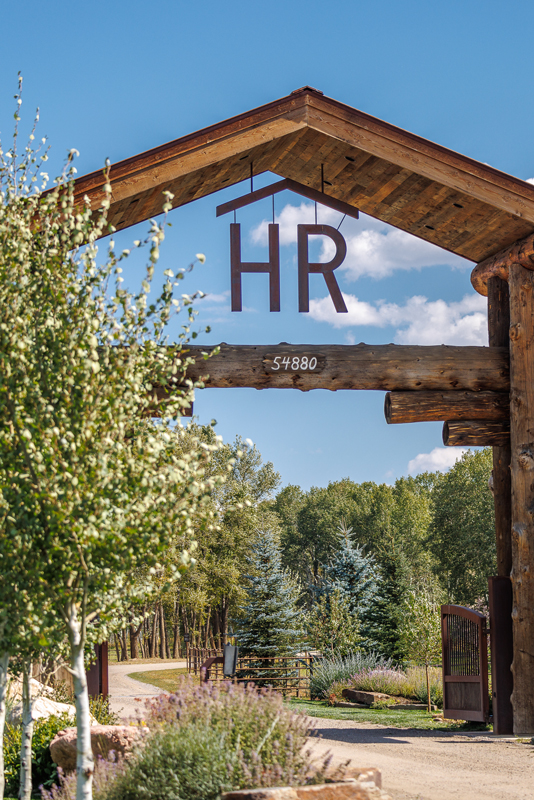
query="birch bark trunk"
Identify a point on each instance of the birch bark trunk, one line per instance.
(25, 790)
(4, 662)
(84, 753)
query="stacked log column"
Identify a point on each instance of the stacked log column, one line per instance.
(521, 285)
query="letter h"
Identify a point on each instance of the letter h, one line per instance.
(272, 267)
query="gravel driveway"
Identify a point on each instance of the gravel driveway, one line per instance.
(430, 765)
(124, 691)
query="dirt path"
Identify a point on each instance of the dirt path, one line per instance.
(430, 765)
(126, 695)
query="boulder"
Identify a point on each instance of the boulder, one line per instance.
(41, 707)
(367, 698)
(104, 739)
(37, 689)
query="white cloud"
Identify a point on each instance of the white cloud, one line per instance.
(211, 297)
(439, 459)
(529, 180)
(418, 321)
(373, 248)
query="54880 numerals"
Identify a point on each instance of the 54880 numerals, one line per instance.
(293, 363)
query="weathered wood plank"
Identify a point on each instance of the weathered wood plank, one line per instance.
(380, 367)
(475, 433)
(401, 407)
(521, 283)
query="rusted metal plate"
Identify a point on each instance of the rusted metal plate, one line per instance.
(290, 362)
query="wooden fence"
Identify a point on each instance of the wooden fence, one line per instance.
(289, 675)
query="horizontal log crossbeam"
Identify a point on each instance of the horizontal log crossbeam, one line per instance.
(476, 433)
(362, 367)
(401, 407)
(466, 387)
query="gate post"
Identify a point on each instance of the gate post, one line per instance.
(500, 589)
(501, 644)
(521, 283)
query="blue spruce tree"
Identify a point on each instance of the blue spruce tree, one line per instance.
(356, 579)
(270, 624)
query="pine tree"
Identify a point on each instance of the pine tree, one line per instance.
(383, 616)
(355, 577)
(270, 623)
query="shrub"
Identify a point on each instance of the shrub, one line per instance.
(251, 720)
(340, 669)
(206, 739)
(101, 711)
(381, 679)
(44, 771)
(105, 775)
(416, 680)
(177, 764)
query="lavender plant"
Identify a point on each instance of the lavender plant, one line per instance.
(340, 669)
(386, 680)
(208, 739)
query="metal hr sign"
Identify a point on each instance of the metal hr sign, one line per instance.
(305, 266)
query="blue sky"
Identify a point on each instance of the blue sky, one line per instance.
(113, 79)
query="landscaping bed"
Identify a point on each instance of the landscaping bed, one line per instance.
(395, 718)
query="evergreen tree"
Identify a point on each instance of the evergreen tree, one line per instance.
(383, 615)
(270, 623)
(354, 576)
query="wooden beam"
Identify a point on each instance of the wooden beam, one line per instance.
(521, 283)
(381, 367)
(426, 158)
(475, 433)
(291, 186)
(498, 265)
(401, 407)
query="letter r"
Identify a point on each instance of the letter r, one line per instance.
(306, 267)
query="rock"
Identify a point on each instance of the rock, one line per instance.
(412, 707)
(351, 705)
(368, 698)
(36, 689)
(344, 790)
(42, 707)
(104, 739)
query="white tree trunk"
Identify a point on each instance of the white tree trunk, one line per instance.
(4, 661)
(25, 790)
(84, 754)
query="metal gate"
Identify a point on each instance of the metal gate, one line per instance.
(465, 664)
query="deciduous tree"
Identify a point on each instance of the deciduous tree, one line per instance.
(88, 493)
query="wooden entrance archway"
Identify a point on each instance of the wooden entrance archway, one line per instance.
(484, 395)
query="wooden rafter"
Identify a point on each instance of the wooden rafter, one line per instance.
(443, 197)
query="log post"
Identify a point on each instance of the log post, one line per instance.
(521, 283)
(500, 606)
(499, 328)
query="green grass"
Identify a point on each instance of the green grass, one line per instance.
(167, 679)
(420, 720)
